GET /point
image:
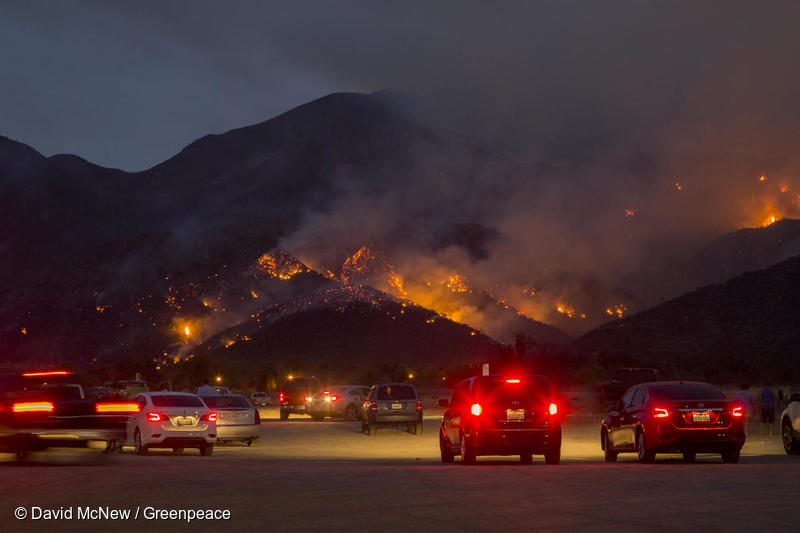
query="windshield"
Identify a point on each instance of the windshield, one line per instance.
(397, 392)
(226, 401)
(177, 400)
(687, 391)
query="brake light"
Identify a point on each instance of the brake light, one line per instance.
(49, 373)
(210, 417)
(737, 411)
(476, 409)
(334, 398)
(419, 405)
(553, 409)
(32, 407)
(326, 392)
(660, 412)
(113, 407)
(373, 406)
(512, 381)
(155, 417)
(281, 397)
(308, 398)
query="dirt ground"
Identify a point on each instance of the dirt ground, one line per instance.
(327, 476)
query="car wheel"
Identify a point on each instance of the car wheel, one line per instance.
(373, 428)
(689, 457)
(468, 456)
(284, 415)
(350, 413)
(731, 456)
(608, 450)
(177, 450)
(645, 455)
(139, 448)
(207, 450)
(526, 458)
(444, 450)
(553, 455)
(789, 443)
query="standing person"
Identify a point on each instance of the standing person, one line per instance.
(767, 406)
(744, 397)
(206, 389)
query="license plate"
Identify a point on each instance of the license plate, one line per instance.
(397, 406)
(515, 414)
(701, 417)
(184, 421)
(232, 416)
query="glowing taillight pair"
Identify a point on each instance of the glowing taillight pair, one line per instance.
(476, 409)
(158, 417)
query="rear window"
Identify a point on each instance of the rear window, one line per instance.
(302, 384)
(177, 400)
(226, 401)
(498, 390)
(687, 391)
(397, 392)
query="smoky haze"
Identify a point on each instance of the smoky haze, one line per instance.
(642, 128)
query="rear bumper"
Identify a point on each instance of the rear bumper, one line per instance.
(238, 432)
(396, 419)
(515, 441)
(42, 439)
(181, 442)
(698, 441)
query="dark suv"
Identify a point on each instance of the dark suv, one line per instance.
(295, 394)
(392, 404)
(498, 415)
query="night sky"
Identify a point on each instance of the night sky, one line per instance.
(129, 84)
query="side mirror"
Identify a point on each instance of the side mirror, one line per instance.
(444, 402)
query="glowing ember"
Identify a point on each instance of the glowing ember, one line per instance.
(457, 284)
(769, 221)
(678, 186)
(762, 178)
(187, 331)
(564, 309)
(629, 213)
(618, 310)
(254, 294)
(281, 266)
(24, 331)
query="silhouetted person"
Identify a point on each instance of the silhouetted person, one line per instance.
(767, 405)
(206, 389)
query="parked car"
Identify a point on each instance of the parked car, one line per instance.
(126, 388)
(499, 415)
(623, 379)
(685, 417)
(342, 401)
(174, 420)
(790, 425)
(295, 394)
(237, 420)
(260, 398)
(392, 405)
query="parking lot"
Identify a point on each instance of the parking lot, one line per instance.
(315, 476)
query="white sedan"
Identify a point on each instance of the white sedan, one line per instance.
(174, 420)
(790, 425)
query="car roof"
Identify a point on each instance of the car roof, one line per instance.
(165, 393)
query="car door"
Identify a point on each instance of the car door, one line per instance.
(451, 420)
(631, 414)
(618, 420)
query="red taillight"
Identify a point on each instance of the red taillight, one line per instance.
(373, 406)
(210, 417)
(737, 411)
(33, 407)
(155, 417)
(553, 409)
(419, 405)
(476, 409)
(117, 407)
(660, 412)
(50, 373)
(334, 398)
(281, 397)
(512, 381)
(326, 392)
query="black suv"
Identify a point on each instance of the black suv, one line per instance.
(295, 394)
(499, 415)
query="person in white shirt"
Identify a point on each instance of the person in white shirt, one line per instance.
(205, 389)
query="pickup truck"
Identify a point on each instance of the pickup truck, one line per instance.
(41, 410)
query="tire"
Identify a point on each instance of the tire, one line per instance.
(468, 456)
(373, 429)
(284, 415)
(553, 456)
(731, 456)
(350, 413)
(207, 450)
(645, 454)
(790, 444)
(444, 450)
(526, 458)
(418, 428)
(177, 450)
(608, 450)
(139, 448)
(689, 457)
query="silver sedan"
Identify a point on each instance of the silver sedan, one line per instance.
(342, 401)
(237, 419)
